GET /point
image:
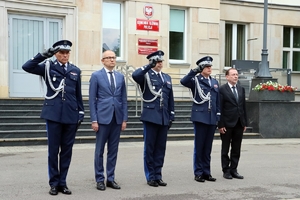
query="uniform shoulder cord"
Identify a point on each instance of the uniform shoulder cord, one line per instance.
(57, 90)
(204, 97)
(155, 94)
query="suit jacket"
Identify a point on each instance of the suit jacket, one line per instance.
(103, 102)
(201, 112)
(231, 109)
(65, 108)
(152, 111)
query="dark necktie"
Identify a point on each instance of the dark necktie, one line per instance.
(159, 78)
(112, 82)
(234, 93)
(64, 68)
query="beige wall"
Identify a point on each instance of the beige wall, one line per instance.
(202, 32)
(252, 15)
(205, 30)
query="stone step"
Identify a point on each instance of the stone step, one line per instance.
(37, 119)
(91, 139)
(84, 125)
(33, 113)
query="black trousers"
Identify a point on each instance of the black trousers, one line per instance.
(232, 138)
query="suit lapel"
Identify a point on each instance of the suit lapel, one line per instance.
(117, 80)
(105, 78)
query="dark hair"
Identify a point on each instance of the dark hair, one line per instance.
(227, 72)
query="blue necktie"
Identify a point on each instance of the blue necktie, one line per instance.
(112, 82)
(159, 77)
(64, 68)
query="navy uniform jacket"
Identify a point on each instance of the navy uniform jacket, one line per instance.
(201, 112)
(152, 112)
(63, 109)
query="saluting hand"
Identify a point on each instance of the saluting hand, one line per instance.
(50, 52)
(197, 69)
(152, 63)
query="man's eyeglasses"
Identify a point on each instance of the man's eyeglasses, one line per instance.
(109, 58)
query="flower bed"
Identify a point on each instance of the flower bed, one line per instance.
(273, 91)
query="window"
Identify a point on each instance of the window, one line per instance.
(235, 43)
(291, 48)
(29, 35)
(177, 35)
(112, 27)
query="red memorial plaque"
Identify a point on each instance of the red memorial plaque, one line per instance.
(146, 51)
(147, 42)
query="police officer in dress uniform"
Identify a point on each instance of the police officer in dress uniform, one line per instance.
(63, 109)
(157, 115)
(205, 115)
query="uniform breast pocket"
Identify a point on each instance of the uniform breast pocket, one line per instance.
(216, 89)
(156, 85)
(73, 77)
(149, 106)
(55, 75)
(169, 86)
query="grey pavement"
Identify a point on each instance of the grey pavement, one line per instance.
(270, 168)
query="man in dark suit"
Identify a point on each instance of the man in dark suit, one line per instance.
(63, 109)
(232, 124)
(205, 114)
(157, 115)
(108, 110)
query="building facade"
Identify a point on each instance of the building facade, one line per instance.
(185, 30)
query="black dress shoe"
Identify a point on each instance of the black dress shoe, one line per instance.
(208, 178)
(100, 186)
(113, 184)
(64, 190)
(161, 182)
(227, 175)
(53, 190)
(236, 175)
(199, 178)
(152, 183)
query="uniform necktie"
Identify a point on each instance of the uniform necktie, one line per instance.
(234, 93)
(112, 82)
(64, 68)
(159, 77)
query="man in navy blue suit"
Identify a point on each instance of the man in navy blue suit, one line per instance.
(108, 110)
(205, 115)
(157, 115)
(63, 109)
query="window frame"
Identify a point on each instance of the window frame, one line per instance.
(121, 51)
(184, 60)
(234, 42)
(289, 51)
